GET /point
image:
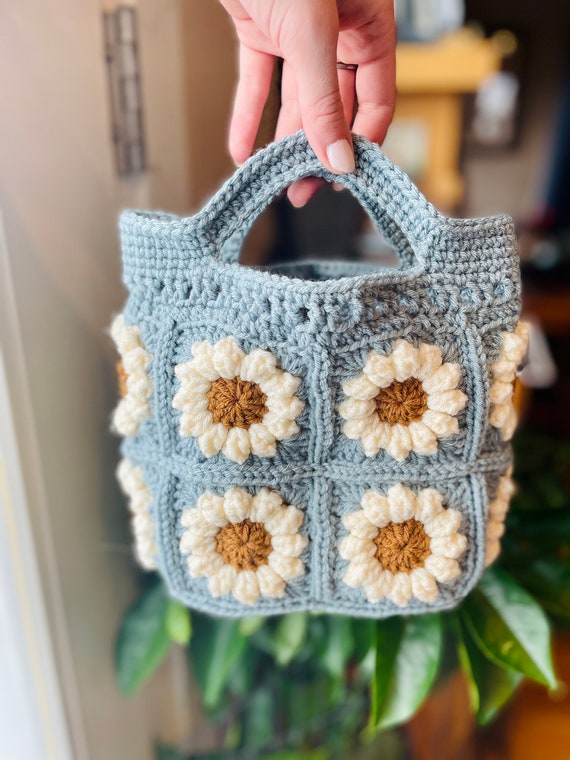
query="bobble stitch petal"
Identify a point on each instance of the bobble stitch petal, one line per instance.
(423, 438)
(450, 402)
(451, 546)
(212, 507)
(204, 564)
(495, 530)
(257, 365)
(440, 423)
(424, 586)
(262, 441)
(360, 388)
(499, 415)
(429, 360)
(376, 508)
(509, 425)
(237, 446)
(492, 552)
(222, 582)
(289, 545)
(286, 520)
(246, 587)
(401, 591)
(359, 525)
(448, 521)
(283, 429)
(445, 378)
(400, 442)
(402, 503)
(354, 429)
(237, 504)
(405, 359)
(358, 571)
(212, 441)
(281, 385)
(353, 546)
(501, 392)
(430, 504)
(379, 370)
(227, 358)
(443, 569)
(287, 567)
(379, 587)
(270, 583)
(354, 409)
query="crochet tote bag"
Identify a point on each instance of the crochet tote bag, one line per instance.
(325, 436)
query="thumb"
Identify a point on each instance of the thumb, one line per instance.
(313, 60)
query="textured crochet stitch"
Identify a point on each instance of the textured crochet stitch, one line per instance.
(321, 435)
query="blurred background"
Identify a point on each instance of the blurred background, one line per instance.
(108, 105)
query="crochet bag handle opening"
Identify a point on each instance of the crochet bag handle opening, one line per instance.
(392, 201)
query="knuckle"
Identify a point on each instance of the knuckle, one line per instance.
(326, 108)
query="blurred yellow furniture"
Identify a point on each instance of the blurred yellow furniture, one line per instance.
(431, 80)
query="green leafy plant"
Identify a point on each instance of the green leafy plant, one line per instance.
(312, 686)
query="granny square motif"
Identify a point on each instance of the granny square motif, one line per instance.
(319, 435)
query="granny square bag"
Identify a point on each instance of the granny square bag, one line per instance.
(324, 436)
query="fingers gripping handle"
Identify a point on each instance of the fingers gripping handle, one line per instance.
(397, 208)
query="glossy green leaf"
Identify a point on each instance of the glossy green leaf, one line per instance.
(258, 721)
(339, 645)
(215, 647)
(412, 671)
(363, 634)
(306, 702)
(250, 624)
(178, 622)
(242, 679)
(168, 753)
(490, 686)
(509, 626)
(289, 636)
(316, 754)
(548, 528)
(387, 639)
(143, 640)
(549, 582)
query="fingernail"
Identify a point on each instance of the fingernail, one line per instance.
(341, 157)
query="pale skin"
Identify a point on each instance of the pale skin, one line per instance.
(311, 36)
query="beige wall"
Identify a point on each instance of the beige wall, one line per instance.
(211, 68)
(59, 198)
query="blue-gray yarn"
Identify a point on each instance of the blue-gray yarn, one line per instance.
(458, 287)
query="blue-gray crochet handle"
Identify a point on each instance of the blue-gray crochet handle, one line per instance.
(394, 204)
(461, 257)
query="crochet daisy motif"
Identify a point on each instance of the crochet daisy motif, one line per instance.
(135, 384)
(498, 509)
(401, 545)
(403, 401)
(236, 402)
(245, 545)
(131, 480)
(503, 415)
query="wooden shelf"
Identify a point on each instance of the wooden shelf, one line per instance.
(457, 63)
(431, 80)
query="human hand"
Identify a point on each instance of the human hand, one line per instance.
(311, 36)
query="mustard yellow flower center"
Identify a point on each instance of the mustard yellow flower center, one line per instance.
(245, 545)
(402, 547)
(236, 402)
(401, 402)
